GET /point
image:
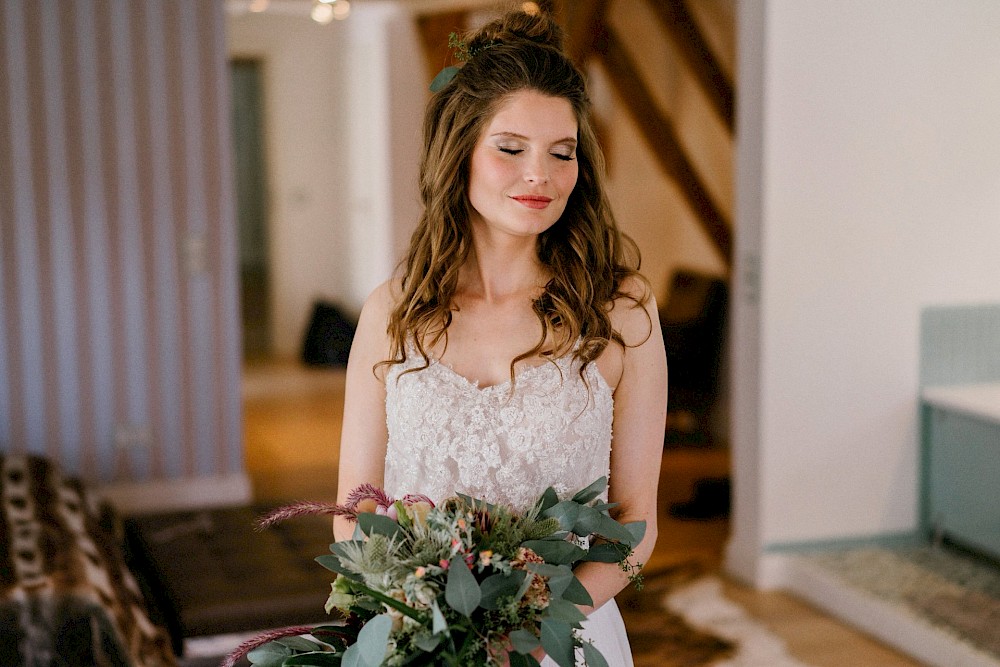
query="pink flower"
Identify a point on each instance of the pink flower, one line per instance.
(444, 564)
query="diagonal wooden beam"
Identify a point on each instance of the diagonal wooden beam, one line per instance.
(584, 24)
(662, 139)
(684, 31)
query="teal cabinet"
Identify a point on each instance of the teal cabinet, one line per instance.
(961, 433)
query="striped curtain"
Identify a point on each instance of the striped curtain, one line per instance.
(119, 325)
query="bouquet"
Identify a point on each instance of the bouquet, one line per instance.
(458, 584)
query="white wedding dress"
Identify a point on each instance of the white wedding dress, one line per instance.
(447, 435)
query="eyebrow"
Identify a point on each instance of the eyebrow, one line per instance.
(515, 135)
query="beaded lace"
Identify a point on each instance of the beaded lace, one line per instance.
(447, 435)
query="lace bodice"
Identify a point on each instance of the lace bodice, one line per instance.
(447, 435)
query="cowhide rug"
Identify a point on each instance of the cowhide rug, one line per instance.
(681, 618)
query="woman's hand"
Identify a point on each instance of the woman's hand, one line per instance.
(538, 654)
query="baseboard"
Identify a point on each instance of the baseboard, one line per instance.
(888, 623)
(764, 572)
(178, 494)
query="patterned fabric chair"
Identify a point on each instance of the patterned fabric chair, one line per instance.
(66, 595)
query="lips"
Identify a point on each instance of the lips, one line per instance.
(533, 201)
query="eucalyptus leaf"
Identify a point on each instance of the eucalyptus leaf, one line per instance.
(557, 640)
(524, 641)
(593, 656)
(562, 610)
(365, 603)
(377, 523)
(315, 659)
(560, 582)
(438, 624)
(522, 660)
(604, 553)
(369, 650)
(638, 531)
(612, 530)
(604, 507)
(566, 512)
(548, 499)
(299, 644)
(461, 592)
(271, 654)
(558, 552)
(428, 643)
(332, 563)
(575, 592)
(443, 78)
(592, 491)
(497, 587)
(590, 521)
(547, 570)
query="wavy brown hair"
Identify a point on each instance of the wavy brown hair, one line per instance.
(588, 257)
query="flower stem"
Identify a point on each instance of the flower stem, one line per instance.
(358, 587)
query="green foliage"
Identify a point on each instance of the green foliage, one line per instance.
(269, 655)
(370, 649)
(454, 584)
(557, 640)
(461, 592)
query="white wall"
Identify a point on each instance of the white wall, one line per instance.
(869, 187)
(343, 104)
(386, 93)
(305, 122)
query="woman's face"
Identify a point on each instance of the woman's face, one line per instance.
(524, 165)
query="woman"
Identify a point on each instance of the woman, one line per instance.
(520, 331)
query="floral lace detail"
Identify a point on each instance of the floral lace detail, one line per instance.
(447, 435)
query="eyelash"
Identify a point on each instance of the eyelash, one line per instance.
(558, 156)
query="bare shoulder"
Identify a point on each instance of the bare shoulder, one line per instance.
(371, 341)
(634, 314)
(382, 300)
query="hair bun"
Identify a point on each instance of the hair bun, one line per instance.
(519, 26)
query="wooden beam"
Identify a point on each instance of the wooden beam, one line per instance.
(662, 139)
(584, 25)
(682, 28)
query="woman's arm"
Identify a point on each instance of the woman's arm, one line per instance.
(364, 434)
(637, 444)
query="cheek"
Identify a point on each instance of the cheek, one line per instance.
(569, 178)
(488, 174)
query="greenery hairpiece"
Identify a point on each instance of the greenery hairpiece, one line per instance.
(463, 54)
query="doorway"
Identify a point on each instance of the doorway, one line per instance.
(251, 206)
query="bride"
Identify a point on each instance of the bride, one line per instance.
(519, 348)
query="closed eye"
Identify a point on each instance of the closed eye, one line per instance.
(564, 158)
(511, 151)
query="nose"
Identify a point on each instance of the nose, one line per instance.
(536, 171)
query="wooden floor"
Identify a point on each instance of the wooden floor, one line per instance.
(292, 418)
